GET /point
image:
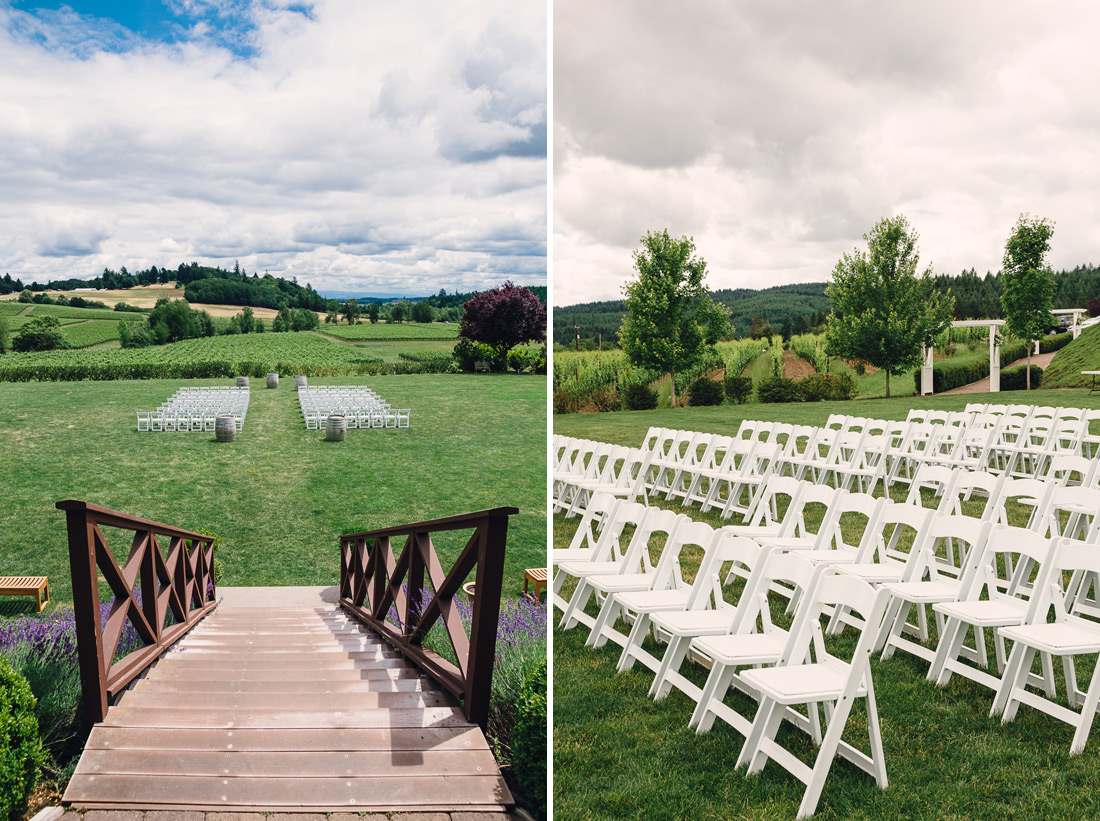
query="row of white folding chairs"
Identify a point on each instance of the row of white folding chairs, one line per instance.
(987, 592)
(876, 451)
(361, 419)
(157, 422)
(658, 596)
(596, 467)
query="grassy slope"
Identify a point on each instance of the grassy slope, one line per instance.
(618, 754)
(1082, 354)
(279, 497)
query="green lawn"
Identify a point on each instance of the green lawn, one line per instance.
(618, 754)
(279, 497)
(629, 427)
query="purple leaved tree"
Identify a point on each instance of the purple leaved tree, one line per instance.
(503, 318)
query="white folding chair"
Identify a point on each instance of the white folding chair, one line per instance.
(1003, 604)
(826, 678)
(1069, 635)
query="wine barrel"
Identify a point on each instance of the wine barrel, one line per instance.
(225, 428)
(273, 380)
(299, 382)
(336, 428)
(242, 381)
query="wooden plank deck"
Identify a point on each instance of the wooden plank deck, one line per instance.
(294, 710)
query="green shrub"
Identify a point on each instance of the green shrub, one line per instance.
(705, 391)
(639, 396)
(738, 388)
(813, 388)
(1015, 379)
(469, 353)
(777, 389)
(529, 739)
(843, 386)
(519, 359)
(1056, 342)
(21, 751)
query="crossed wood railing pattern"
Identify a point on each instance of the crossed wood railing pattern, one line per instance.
(373, 579)
(181, 583)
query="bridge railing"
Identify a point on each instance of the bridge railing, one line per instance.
(147, 589)
(375, 578)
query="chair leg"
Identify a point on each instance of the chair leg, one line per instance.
(718, 682)
(947, 651)
(672, 660)
(1088, 711)
(637, 635)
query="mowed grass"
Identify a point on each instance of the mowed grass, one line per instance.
(280, 496)
(619, 754)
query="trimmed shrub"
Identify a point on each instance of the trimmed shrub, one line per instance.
(21, 751)
(777, 389)
(738, 388)
(813, 388)
(704, 391)
(639, 396)
(1056, 342)
(1015, 379)
(529, 739)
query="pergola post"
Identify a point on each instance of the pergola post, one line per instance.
(926, 353)
(994, 361)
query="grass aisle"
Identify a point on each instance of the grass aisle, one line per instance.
(280, 496)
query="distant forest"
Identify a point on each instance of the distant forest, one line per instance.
(217, 286)
(805, 305)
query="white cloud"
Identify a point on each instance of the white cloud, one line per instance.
(778, 133)
(414, 122)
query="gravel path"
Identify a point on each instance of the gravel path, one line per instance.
(982, 385)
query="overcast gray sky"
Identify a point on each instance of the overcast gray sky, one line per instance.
(778, 133)
(357, 144)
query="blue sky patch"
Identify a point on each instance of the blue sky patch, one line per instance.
(83, 27)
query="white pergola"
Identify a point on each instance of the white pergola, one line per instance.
(994, 326)
(1076, 313)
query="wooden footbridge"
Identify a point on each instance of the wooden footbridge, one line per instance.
(285, 708)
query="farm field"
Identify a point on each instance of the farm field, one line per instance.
(617, 753)
(250, 354)
(280, 496)
(401, 330)
(146, 296)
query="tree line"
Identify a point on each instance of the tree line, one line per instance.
(802, 308)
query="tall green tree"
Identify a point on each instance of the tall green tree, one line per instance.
(373, 312)
(1028, 281)
(883, 309)
(670, 317)
(351, 311)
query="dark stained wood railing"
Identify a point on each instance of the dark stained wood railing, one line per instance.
(373, 579)
(181, 583)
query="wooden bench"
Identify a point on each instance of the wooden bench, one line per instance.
(26, 586)
(536, 576)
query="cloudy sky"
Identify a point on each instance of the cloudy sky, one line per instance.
(360, 145)
(778, 133)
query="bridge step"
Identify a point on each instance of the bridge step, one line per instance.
(299, 710)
